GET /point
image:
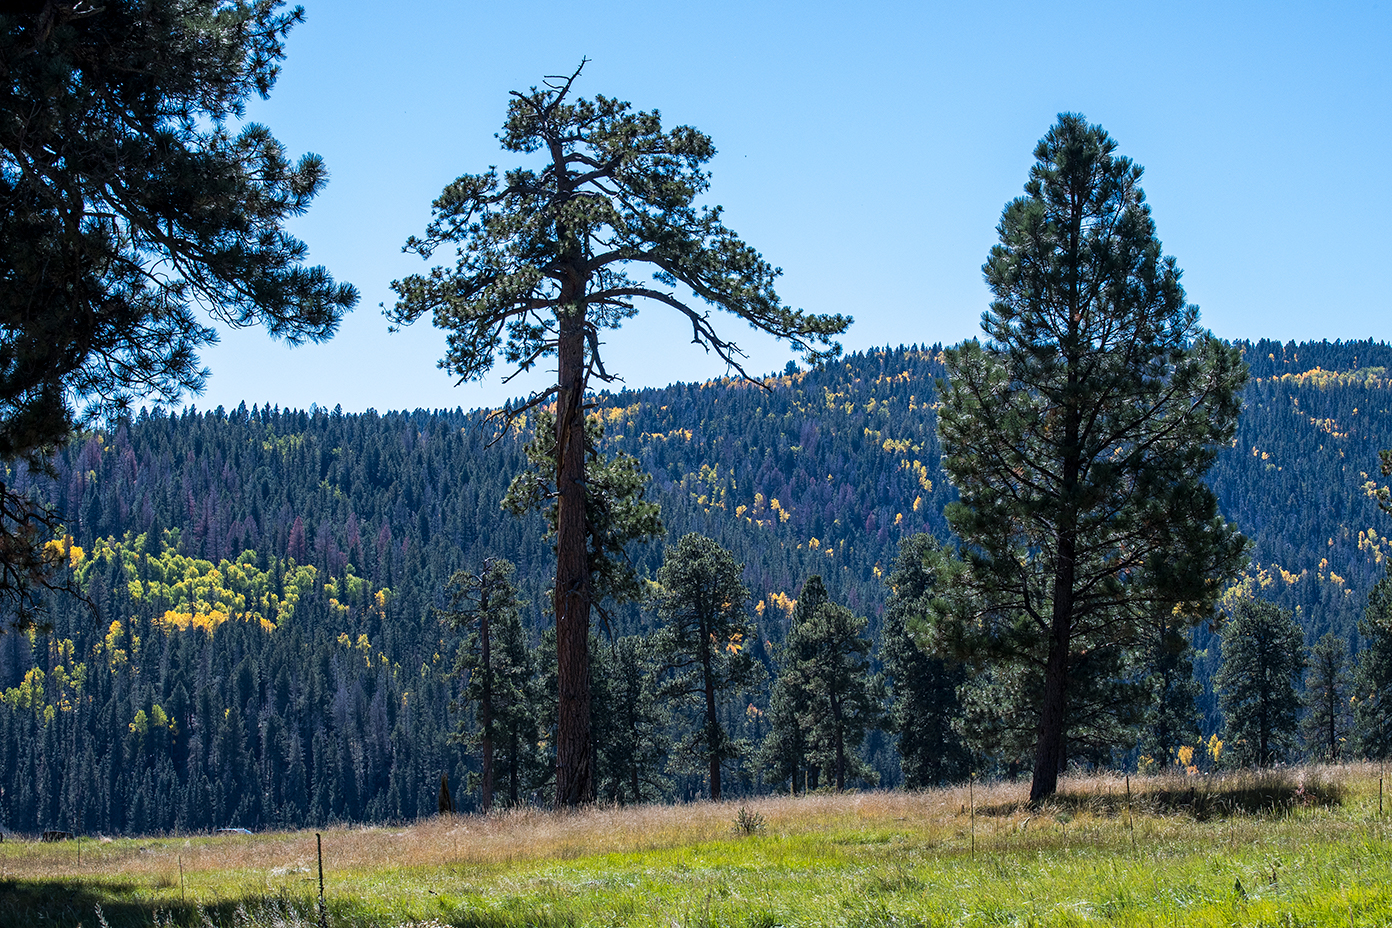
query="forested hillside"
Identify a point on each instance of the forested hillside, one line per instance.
(262, 647)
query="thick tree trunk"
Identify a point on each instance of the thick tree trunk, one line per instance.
(446, 801)
(1049, 748)
(1053, 714)
(574, 774)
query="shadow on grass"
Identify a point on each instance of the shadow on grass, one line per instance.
(72, 902)
(66, 903)
(1247, 792)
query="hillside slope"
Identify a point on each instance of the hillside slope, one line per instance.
(265, 650)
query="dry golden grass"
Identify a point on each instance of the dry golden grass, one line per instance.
(531, 834)
(484, 840)
(916, 852)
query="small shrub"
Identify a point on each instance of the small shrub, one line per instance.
(747, 822)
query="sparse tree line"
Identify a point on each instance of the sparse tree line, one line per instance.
(671, 698)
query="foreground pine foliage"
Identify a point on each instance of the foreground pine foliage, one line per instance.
(1292, 847)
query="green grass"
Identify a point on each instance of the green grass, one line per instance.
(1253, 850)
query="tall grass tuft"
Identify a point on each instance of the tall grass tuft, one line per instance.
(747, 822)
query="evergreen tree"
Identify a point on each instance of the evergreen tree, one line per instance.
(782, 754)
(129, 207)
(846, 698)
(1372, 678)
(703, 648)
(1078, 433)
(825, 699)
(922, 689)
(1263, 656)
(1325, 726)
(496, 666)
(1171, 718)
(785, 753)
(632, 733)
(616, 513)
(543, 269)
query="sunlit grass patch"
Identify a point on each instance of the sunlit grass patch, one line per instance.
(1309, 849)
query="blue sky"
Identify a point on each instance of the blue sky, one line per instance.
(867, 152)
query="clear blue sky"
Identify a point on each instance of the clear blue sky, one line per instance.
(867, 151)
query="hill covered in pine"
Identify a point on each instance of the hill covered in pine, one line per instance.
(262, 647)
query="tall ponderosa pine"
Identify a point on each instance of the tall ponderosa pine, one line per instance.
(1263, 656)
(703, 647)
(922, 688)
(129, 206)
(544, 267)
(1372, 676)
(1077, 435)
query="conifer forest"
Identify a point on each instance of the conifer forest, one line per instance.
(270, 628)
(1093, 537)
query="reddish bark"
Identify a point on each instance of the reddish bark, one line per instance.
(574, 777)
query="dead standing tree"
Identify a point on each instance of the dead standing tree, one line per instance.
(544, 260)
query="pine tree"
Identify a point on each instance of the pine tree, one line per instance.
(785, 751)
(1326, 723)
(496, 666)
(703, 648)
(543, 269)
(826, 697)
(1372, 679)
(1077, 435)
(782, 754)
(846, 698)
(130, 207)
(1171, 718)
(632, 734)
(1263, 656)
(922, 688)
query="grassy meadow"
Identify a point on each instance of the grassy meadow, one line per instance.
(1300, 847)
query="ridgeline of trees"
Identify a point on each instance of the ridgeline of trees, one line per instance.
(266, 647)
